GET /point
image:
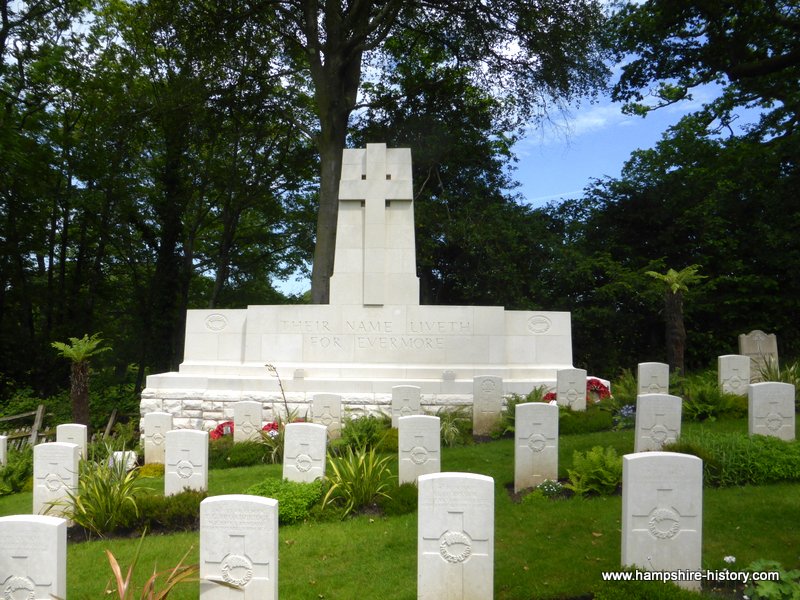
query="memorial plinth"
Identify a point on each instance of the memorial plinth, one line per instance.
(373, 335)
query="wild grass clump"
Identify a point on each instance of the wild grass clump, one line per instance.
(594, 418)
(365, 431)
(739, 459)
(295, 499)
(357, 479)
(455, 425)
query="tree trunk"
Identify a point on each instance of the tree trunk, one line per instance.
(79, 392)
(675, 331)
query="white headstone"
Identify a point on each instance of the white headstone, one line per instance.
(733, 373)
(155, 428)
(418, 447)
(126, 457)
(405, 402)
(55, 475)
(3, 450)
(186, 456)
(375, 251)
(536, 447)
(326, 409)
(239, 548)
(487, 403)
(304, 452)
(33, 557)
(658, 421)
(770, 409)
(652, 378)
(571, 388)
(247, 418)
(73, 433)
(455, 553)
(762, 348)
(662, 512)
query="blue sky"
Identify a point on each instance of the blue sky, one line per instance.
(594, 141)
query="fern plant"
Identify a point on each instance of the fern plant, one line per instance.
(79, 351)
(598, 471)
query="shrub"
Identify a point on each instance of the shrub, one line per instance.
(295, 499)
(508, 417)
(18, 472)
(738, 459)
(704, 400)
(594, 418)
(105, 499)
(151, 470)
(364, 432)
(625, 389)
(179, 512)
(400, 500)
(272, 437)
(598, 471)
(357, 479)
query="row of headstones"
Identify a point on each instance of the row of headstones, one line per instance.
(733, 375)
(658, 421)
(661, 531)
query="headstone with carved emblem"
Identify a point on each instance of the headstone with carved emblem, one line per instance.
(74, 433)
(658, 421)
(247, 417)
(652, 378)
(405, 402)
(771, 409)
(154, 430)
(55, 475)
(304, 452)
(326, 409)
(662, 513)
(455, 540)
(238, 548)
(186, 456)
(33, 557)
(733, 373)
(571, 388)
(762, 348)
(536, 444)
(418, 446)
(487, 404)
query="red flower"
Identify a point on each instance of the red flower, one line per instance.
(549, 396)
(225, 428)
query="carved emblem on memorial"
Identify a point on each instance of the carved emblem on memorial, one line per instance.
(455, 546)
(236, 569)
(216, 322)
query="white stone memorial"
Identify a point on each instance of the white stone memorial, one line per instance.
(662, 512)
(125, 457)
(304, 452)
(762, 348)
(374, 335)
(154, 430)
(3, 450)
(536, 444)
(238, 548)
(74, 433)
(405, 402)
(571, 388)
(55, 475)
(455, 552)
(33, 557)
(658, 421)
(186, 466)
(418, 447)
(652, 378)
(487, 404)
(770, 409)
(247, 418)
(733, 373)
(326, 409)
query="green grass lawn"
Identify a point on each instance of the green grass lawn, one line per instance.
(543, 549)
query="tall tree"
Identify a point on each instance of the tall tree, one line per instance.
(531, 55)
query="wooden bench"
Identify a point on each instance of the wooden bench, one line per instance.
(26, 429)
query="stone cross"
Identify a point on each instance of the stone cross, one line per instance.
(376, 251)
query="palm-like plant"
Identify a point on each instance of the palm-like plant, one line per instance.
(675, 284)
(79, 351)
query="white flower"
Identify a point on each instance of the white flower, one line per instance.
(553, 402)
(730, 559)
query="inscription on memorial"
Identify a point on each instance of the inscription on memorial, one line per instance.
(426, 327)
(305, 326)
(399, 343)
